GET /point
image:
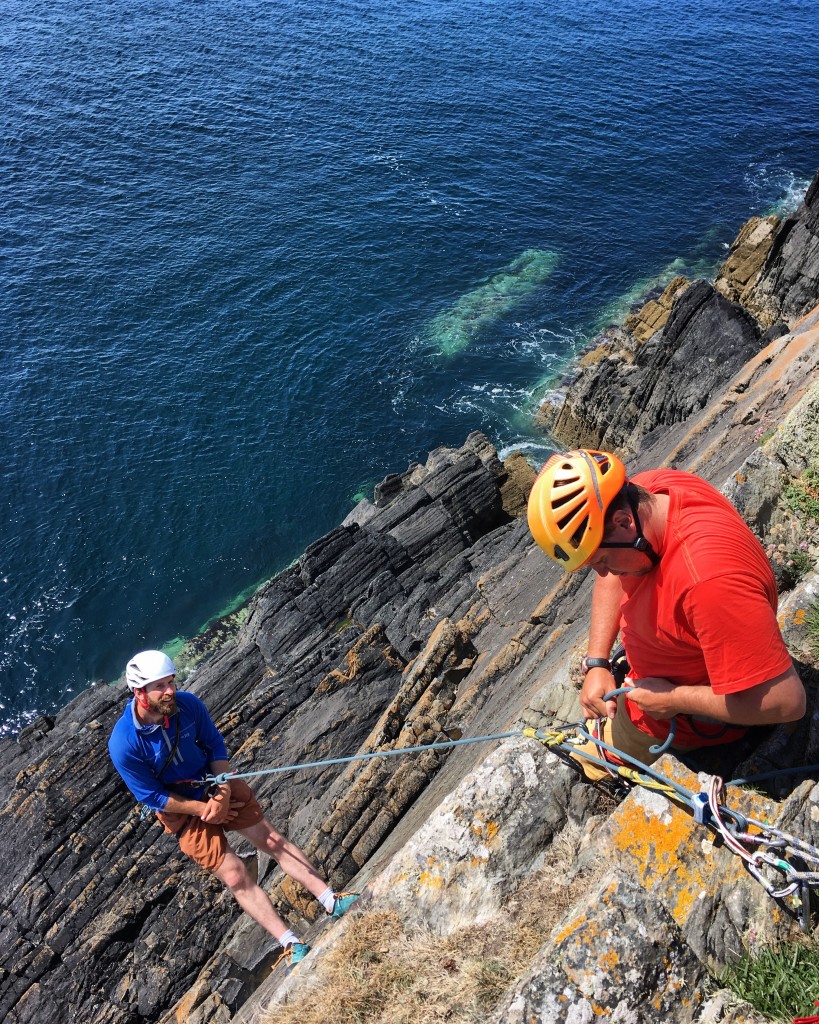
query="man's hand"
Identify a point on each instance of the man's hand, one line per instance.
(220, 808)
(653, 696)
(781, 699)
(598, 682)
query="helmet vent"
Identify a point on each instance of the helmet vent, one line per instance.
(569, 519)
(577, 537)
(560, 501)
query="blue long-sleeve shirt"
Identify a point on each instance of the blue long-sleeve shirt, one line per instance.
(139, 752)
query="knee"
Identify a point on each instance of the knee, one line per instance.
(234, 874)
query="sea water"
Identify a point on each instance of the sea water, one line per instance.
(254, 256)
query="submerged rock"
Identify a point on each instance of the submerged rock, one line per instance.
(456, 328)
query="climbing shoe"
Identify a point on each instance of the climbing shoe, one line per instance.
(343, 902)
(292, 953)
(298, 951)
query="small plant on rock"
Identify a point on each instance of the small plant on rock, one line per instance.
(799, 562)
(789, 563)
(782, 982)
(802, 496)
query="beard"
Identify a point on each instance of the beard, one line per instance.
(163, 705)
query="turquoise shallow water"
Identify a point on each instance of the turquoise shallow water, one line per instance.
(255, 256)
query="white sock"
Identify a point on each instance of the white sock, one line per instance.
(288, 939)
(327, 899)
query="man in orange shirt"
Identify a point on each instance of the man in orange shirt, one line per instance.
(688, 585)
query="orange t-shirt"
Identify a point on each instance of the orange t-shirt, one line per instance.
(706, 615)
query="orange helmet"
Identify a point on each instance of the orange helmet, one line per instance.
(567, 506)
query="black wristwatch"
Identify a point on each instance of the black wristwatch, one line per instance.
(589, 663)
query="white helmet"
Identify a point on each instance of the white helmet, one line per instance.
(146, 667)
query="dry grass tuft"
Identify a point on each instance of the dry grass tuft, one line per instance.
(384, 972)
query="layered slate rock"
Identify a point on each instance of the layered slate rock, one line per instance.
(786, 289)
(101, 915)
(654, 314)
(740, 273)
(617, 402)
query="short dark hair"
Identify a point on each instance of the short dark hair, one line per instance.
(620, 502)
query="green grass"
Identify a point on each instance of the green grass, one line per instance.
(796, 565)
(801, 561)
(782, 982)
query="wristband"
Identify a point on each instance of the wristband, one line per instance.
(589, 663)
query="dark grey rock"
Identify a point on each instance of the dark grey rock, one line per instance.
(617, 404)
(789, 283)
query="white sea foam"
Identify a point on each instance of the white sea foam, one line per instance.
(776, 190)
(538, 451)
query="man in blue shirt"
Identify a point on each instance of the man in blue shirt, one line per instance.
(166, 736)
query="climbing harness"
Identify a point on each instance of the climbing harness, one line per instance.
(144, 809)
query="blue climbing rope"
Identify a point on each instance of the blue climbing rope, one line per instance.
(655, 748)
(771, 846)
(227, 776)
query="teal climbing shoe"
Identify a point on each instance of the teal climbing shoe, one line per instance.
(343, 902)
(292, 954)
(298, 951)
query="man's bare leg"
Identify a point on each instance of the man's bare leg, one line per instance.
(287, 855)
(249, 895)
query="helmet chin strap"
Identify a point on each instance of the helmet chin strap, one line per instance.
(640, 542)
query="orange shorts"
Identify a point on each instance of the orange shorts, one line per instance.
(204, 843)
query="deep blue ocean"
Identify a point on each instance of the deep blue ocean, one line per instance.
(254, 256)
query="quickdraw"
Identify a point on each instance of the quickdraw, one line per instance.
(763, 852)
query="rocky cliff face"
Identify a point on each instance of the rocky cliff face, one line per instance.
(785, 288)
(430, 610)
(664, 364)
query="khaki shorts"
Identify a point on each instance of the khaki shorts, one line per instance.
(622, 733)
(204, 843)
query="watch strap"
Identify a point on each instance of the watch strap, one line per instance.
(590, 663)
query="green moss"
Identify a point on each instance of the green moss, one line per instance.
(782, 982)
